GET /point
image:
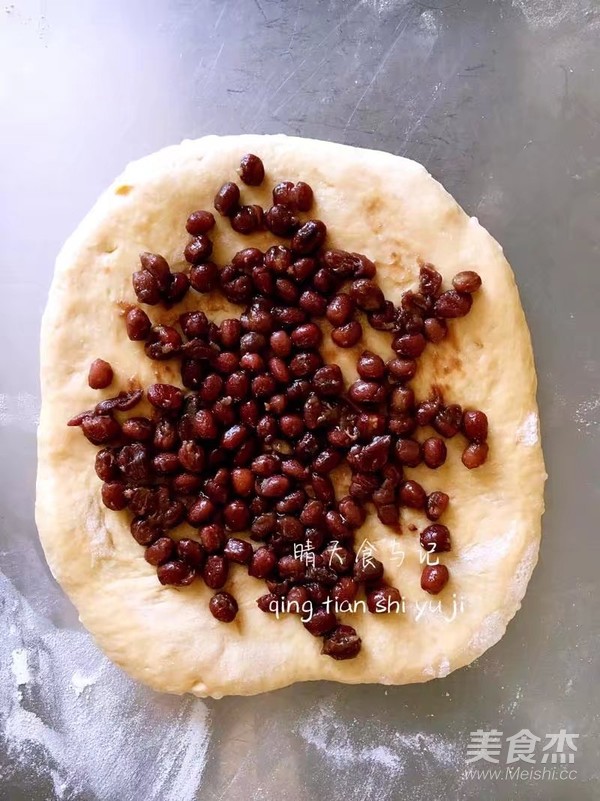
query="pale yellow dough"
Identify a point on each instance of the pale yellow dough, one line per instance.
(391, 209)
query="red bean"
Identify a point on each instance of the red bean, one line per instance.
(434, 452)
(447, 421)
(302, 195)
(247, 219)
(162, 342)
(234, 437)
(475, 426)
(100, 374)
(427, 410)
(144, 531)
(280, 220)
(385, 319)
(321, 622)
(466, 281)
(309, 237)
(323, 488)
(353, 514)
(237, 550)
(215, 571)
(305, 363)
(327, 461)
(313, 303)
(435, 329)
(200, 222)
(384, 599)
(362, 486)
(160, 551)
(401, 370)
(158, 267)
(370, 366)
(408, 452)
(283, 193)
(346, 336)
(367, 569)
(176, 573)
(366, 392)
(191, 552)
(146, 287)
(367, 295)
(307, 336)
(227, 199)
(198, 249)
(200, 511)
(251, 170)
(106, 465)
(475, 455)
(409, 346)
(236, 515)
(187, 483)
(275, 486)
(212, 537)
(269, 603)
(345, 591)
(453, 304)
(204, 277)
(430, 281)
(137, 323)
(262, 563)
(165, 435)
(165, 397)
(223, 606)
(412, 495)
(437, 503)
(436, 538)
(113, 496)
(179, 284)
(342, 643)
(281, 343)
(372, 457)
(434, 578)
(340, 309)
(100, 429)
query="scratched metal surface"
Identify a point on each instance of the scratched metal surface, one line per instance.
(501, 102)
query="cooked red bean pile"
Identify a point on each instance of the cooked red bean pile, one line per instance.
(250, 445)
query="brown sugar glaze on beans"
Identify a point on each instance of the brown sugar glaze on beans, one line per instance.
(246, 451)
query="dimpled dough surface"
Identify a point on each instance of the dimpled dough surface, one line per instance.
(375, 203)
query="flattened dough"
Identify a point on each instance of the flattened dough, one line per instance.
(391, 209)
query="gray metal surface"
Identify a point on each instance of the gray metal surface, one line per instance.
(501, 102)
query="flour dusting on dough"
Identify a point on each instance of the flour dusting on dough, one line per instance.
(527, 433)
(490, 552)
(489, 632)
(73, 718)
(100, 541)
(443, 668)
(523, 572)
